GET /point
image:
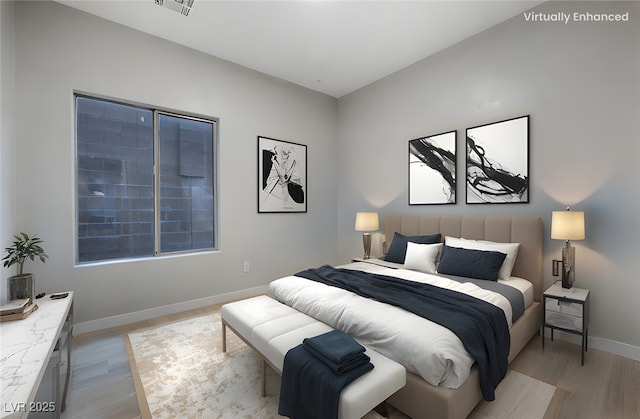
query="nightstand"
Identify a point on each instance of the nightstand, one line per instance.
(566, 310)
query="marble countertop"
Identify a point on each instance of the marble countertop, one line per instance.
(25, 348)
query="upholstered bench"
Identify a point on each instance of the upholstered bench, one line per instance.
(272, 328)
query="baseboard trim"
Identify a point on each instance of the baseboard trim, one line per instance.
(618, 348)
(128, 318)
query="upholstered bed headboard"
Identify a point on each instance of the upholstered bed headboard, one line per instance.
(524, 230)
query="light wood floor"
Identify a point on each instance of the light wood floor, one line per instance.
(102, 386)
(606, 387)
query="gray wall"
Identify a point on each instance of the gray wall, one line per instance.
(7, 139)
(580, 83)
(59, 49)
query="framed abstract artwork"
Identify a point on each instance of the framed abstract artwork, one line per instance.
(432, 169)
(498, 162)
(282, 176)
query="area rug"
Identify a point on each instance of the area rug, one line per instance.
(184, 373)
(517, 396)
(180, 371)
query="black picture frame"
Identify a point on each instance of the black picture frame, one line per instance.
(282, 176)
(432, 169)
(497, 162)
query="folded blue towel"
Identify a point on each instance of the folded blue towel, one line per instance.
(335, 345)
(311, 390)
(346, 365)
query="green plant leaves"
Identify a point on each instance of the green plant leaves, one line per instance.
(23, 247)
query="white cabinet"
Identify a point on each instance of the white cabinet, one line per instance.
(36, 359)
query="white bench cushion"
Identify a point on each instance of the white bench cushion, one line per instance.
(244, 315)
(273, 328)
(275, 346)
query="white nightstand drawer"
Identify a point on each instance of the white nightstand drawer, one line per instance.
(564, 307)
(566, 321)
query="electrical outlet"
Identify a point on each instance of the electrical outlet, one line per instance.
(245, 266)
(555, 271)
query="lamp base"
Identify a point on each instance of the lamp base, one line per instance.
(366, 241)
(568, 265)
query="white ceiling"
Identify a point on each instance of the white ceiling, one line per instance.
(334, 47)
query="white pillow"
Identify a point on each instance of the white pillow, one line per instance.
(510, 249)
(422, 257)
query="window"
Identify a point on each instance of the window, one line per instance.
(125, 208)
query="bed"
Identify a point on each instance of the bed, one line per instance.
(454, 391)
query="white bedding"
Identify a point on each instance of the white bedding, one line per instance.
(423, 347)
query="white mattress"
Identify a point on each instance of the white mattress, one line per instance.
(423, 347)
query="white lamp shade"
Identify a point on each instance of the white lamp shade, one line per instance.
(367, 221)
(567, 225)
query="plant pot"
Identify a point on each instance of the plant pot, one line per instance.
(21, 286)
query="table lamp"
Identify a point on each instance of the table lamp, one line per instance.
(367, 221)
(567, 225)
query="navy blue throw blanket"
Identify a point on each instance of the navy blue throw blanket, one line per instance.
(336, 345)
(310, 389)
(481, 326)
(337, 350)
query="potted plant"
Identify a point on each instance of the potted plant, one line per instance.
(23, 247)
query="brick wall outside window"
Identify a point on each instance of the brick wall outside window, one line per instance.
(115, 182)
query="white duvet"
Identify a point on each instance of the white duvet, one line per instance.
(423, 347)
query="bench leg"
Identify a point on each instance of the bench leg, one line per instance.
(224, 337)
(264, 377)
(382, 409)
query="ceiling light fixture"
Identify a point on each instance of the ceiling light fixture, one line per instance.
(181, 6)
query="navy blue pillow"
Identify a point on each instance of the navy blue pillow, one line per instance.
(398, 248)
(480, 264)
